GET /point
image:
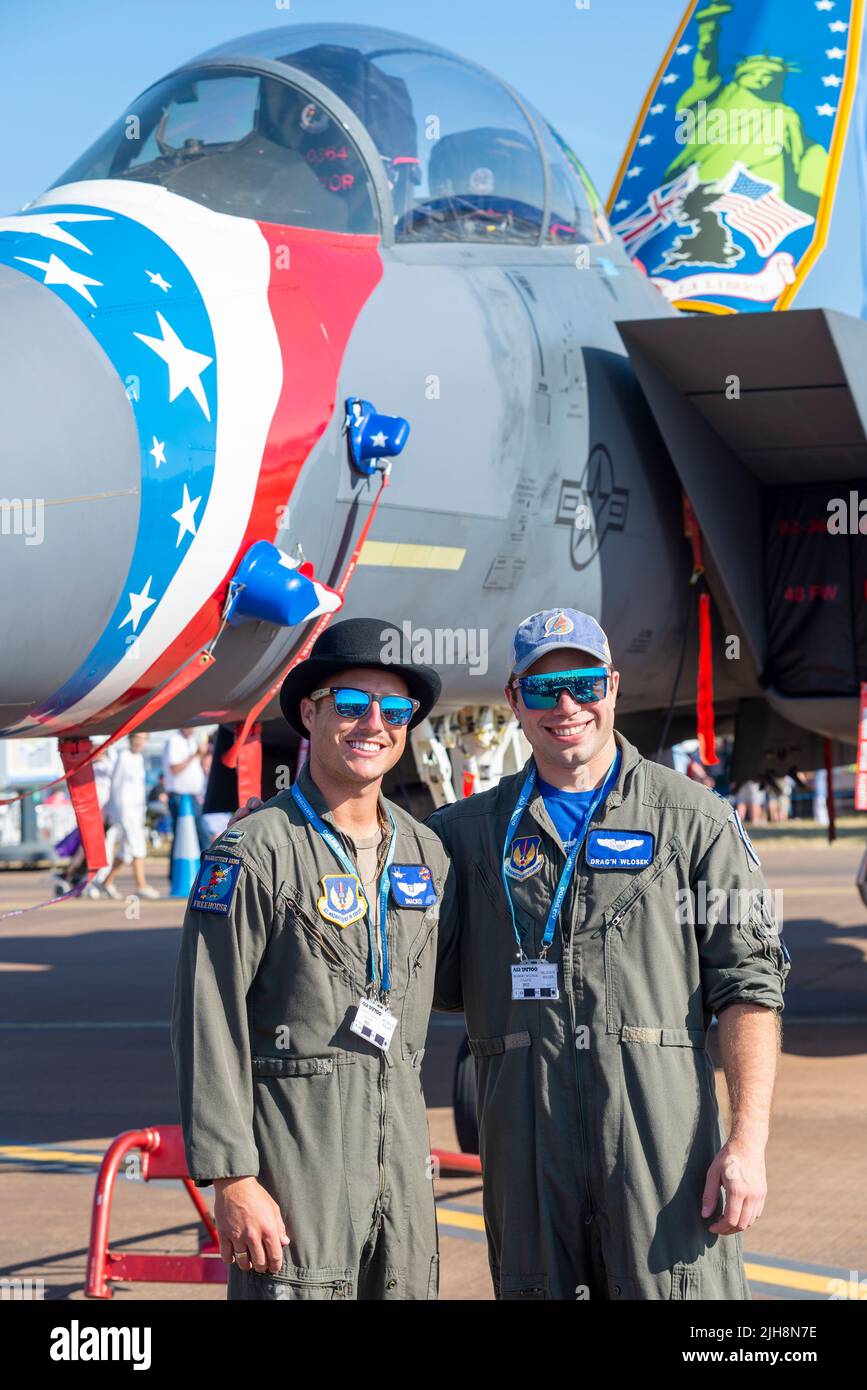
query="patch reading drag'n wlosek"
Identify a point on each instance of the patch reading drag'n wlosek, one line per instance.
(619, 849)
(726, 190)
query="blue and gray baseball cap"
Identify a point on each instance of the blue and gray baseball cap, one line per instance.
(557, 628)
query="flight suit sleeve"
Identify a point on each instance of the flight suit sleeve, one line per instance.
(448, 992)
(219, 956)
(743, 958)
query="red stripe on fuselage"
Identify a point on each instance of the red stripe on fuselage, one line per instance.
(319, 280)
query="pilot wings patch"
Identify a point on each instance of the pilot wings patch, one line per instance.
(619, 849)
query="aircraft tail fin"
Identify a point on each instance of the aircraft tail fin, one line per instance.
(726, 188)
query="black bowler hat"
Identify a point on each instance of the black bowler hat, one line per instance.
(344, 645)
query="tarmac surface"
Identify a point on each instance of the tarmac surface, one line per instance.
(85, 997)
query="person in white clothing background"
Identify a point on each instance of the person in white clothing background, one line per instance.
(127, 807)
(185, 775)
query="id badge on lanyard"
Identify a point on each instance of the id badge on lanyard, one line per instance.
(537, 979)
(373, 1020)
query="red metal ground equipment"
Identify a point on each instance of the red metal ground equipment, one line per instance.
(162, 1156)
(453, 1165)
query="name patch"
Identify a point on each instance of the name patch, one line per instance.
(412, 885)
(215, 885)
(619, 849)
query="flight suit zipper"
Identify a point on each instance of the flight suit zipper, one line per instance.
(383, 1068)
(581, 1122)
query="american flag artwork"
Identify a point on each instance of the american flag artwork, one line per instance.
(753, 207)
(725, 191)
(228, 390)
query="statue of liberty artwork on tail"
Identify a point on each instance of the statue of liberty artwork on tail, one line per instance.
(726, 189)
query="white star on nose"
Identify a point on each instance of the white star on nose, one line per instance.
(378, 441)
(158, 452)
(45, 224)
(57, 272)
(157, 279)
(185, 364)
(139, 604)
(185, 516)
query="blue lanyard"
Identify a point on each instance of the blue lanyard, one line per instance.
(569, 867)
(336, 848)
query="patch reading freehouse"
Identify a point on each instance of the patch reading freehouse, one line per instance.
(77, 1343)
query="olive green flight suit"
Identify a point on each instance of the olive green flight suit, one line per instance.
(273, 1084)
(597, 1112)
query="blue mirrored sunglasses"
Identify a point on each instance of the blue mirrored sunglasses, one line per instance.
(543, 691)
(354, 704)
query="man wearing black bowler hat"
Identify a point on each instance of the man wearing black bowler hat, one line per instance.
(302, 997)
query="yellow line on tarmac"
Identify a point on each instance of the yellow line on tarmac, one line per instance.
(48, 1155)
(757, 1274)
(447, 1216)
(791, 1278)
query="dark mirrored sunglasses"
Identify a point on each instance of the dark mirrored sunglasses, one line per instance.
(543, 691)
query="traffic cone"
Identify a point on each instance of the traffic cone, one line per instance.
(185, 851)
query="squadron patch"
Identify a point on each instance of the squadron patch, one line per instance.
(342, 901)
(525, 857)
(412, 886)
(215, 885)
(619, 849)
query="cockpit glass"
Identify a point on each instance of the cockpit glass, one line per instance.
(460, 156)
(577, 214)
(239, 143)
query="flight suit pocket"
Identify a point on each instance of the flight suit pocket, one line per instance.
(529, 1288)
(295, 1283)
(420, 965)
(642, 949)
(433, 1281)
(492, 888)
(492, 1047)
(685, 1282)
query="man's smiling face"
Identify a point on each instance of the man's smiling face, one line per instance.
(571, 734)
(355, 750)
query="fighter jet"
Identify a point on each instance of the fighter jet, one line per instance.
(325, 257)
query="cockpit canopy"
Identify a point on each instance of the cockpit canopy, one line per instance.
(464, 158)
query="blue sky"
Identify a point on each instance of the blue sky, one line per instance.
(69, 70)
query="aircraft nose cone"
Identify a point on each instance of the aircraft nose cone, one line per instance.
(69, 492)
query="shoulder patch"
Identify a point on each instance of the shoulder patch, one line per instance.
(216, 882)
(747, 842)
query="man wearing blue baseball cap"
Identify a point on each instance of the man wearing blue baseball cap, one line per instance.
(589, 978)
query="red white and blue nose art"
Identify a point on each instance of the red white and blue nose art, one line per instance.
(230, 380)
(146, 275)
